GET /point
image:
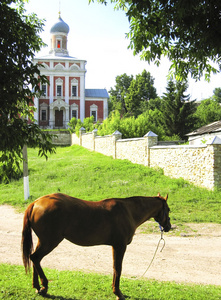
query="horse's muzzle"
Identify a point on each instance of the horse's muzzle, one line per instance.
(167, 227)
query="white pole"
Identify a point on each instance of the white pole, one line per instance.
(25, 173)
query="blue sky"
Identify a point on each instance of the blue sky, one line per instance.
(97, 35)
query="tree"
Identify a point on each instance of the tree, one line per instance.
(131, 96)
(141, 90)
(19, 83)
(217, 94)
(187, 32)
(177, 110)
(207, 112)
(118, 94)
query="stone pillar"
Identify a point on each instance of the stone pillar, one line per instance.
(216, 144)
(81, 132)
(94, 134)
(117, 135)
(151, 140)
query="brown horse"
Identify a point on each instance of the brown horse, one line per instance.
(110, 222)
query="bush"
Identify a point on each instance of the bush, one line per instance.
(9, 167)
(88, 123)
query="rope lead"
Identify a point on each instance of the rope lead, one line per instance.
(161, 238)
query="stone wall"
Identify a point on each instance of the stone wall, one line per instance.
(132, 149)
(200, 165)
(61, 138)
(195, 164)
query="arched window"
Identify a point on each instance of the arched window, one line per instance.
(74, 111)
(59, 87)
(58, 43)
(74, 88)
(44, 90)
(93, 111)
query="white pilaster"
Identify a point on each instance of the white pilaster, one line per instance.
(36, 104)
(51, 88)
(82, 97)
(67, 89)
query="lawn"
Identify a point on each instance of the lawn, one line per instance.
(93, 176)
(69, 285)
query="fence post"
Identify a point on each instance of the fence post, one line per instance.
(94, 134)
(117, 135)
(151, 140)
(81, 132)
(25, 173)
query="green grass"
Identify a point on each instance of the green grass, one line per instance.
(69, 285)
(93, 176)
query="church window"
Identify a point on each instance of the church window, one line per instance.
(74, 90)
(44, 90)
(94, 113)
(43, 115)
(44, 112)
(58, 44)
(59, 89)
(74, 113)
(74, 87)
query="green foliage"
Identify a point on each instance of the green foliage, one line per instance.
(140, 91)
(9, 166)
(131, 96)
(131, 127)
(118, 94)
(88, 124)
(207, 112)
(20, 82)
(177, 110)
(72, 124)
(92, 176)
(217, 95)
(15, 284)
(180, 30)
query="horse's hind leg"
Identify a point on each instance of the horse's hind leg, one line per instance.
(41, 250)
(118, 254)
(35, 282)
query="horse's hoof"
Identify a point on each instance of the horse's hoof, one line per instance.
(120, 298)
(43, 291)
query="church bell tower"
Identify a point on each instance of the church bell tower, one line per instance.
(59, 32)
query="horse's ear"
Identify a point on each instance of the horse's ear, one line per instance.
(158, 195)
(166, 197)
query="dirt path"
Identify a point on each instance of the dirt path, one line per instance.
(195, 259)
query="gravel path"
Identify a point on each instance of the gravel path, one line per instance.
(195, 259)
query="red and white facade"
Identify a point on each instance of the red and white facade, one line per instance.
(65, 96)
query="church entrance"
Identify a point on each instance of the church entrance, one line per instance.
(59, 118)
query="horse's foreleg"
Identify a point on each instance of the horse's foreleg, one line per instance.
(118, 254)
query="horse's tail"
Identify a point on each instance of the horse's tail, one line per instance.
(27, 243)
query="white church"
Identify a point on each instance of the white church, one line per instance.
(66, 97)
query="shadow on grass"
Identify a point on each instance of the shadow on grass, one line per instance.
(48, 296)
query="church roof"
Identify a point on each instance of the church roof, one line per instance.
(60, 26)
(96, 93)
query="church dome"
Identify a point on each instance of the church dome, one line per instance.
(60, 26)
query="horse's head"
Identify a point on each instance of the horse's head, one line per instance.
(163, 216)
